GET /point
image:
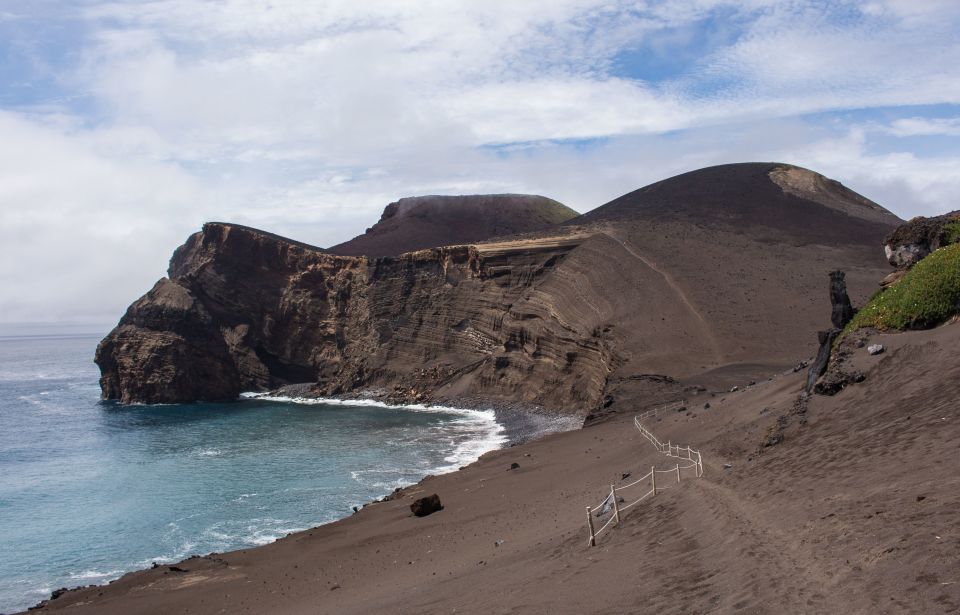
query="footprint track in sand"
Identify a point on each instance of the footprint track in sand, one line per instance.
(705, 327)
(778, 564)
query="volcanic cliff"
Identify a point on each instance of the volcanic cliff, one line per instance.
(711, 275)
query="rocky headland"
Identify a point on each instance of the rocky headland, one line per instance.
(709, 275)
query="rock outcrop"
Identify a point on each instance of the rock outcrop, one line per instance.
(914, 240)
(842, 312)
(246, 310)
(687, 278)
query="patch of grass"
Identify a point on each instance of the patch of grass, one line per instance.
(953, 232)
(928, 295)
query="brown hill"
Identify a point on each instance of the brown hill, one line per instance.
(688, 279)
(766, 200)
(421, 222)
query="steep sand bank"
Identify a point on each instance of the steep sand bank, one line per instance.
(857, 508)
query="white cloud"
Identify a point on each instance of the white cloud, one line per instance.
(921, 126)
(307, 118)
(83, 234)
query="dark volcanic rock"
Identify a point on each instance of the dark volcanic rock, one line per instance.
(677, 279)
(426, 505)
(919, 237)
(420, 222)
(241, 310)
(842, 311)
(244, 310)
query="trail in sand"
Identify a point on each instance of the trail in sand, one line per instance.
(705, 328)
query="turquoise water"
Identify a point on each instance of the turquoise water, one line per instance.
(89, 489)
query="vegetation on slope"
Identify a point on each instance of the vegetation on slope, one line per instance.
(953, 232)
(927, 295)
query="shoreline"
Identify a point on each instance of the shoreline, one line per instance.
(518, 424)
(794, 523)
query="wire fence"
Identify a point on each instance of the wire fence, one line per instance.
(613, 506)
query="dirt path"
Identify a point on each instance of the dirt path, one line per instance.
(774, 564)
(672, 283)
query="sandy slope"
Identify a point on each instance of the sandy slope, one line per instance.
(856, 509)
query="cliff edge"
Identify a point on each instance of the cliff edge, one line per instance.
(690, 279)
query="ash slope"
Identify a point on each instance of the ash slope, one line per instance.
(855, 511)
(421, 222)
(687, 278)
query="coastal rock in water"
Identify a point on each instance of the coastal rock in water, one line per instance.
(426, 505)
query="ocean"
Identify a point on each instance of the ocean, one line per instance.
(92, 489)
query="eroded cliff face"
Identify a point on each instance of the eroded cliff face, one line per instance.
(240, 310)
(695, 279)
(245, 310)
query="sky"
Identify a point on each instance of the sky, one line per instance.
(124, 125)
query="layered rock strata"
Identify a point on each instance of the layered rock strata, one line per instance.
(710, 276)
(245, 310)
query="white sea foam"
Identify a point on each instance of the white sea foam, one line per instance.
(95, 575)
(480, 430)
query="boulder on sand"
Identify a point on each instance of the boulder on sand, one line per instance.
(426, 505)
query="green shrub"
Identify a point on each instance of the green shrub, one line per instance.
(953, 232)
(927, 295)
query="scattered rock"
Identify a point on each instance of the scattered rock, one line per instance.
(333, 587)
(625, 476)
(176, 569)
(426, 505)
(514, 465)
(836, 380)
(355, 509)
(727, 466)
(921, 498)
(706, 406)
(773, 439)
(734, 389)
(875, 349)
(498, 542)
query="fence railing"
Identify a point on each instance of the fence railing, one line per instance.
(648, 482)
(671, 407)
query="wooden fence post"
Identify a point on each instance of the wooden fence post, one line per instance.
(653, 478)
(616, 505)
(678, 473)
(593, 539)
